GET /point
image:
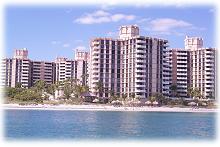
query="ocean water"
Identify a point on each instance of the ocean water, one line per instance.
(107, 125)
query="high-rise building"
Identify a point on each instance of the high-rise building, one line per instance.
(6, 72)
(105, 65)
(180, 71)
(132, 64)
(65, 69)
(202, 66)
(21, 68)
(82, 58)
(42, 70)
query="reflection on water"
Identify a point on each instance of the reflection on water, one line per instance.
(37, 124)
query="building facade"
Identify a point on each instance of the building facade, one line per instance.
(203, 68)
(82, 58)
(20, 69)
(180, 71)
(6, 72)
(65, 69)
(42, 70)
(132, 64)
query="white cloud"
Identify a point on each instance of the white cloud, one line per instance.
(55, 42)
(66, 45)
(78, 41)
(80, 48)
(168, 24)
(68, 10)
(112, 34)
(144, 20)
(101, 16)
(211, 10)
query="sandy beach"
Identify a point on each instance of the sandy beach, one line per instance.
(105, 108)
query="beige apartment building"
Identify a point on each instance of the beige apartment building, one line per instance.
(6, 72)
(203, 68)
(20, 69)
(82, 58)
(180, 71)
(42, 70)
(65, 69)
(73, 69)
(131, 64)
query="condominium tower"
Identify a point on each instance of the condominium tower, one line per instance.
(131, 64)
(20, 69)
(203, 68)
(180, 72)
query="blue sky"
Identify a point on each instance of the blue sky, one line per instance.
(52, 31)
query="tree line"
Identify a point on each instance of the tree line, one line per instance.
(72, 90)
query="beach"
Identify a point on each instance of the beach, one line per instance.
(105, 108)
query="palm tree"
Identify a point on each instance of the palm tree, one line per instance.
(190, 91)
(67, 90)
(40, 86)
(112, 95)
(51, 89)
(152, 99)
(99, 88)
(124, 96)
(173, 88)
(211, 96)
(196, 93)
(159, 97)
(133, 96)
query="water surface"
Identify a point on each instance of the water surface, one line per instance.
(99, 125)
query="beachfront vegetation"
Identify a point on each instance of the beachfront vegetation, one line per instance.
(40, 92)
(72, 94)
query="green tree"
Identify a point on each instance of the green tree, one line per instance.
(133, 96)
(124, 96)
(173, 88)
(211, 95)
(51, 89)
(10, 92)
(18, 85)
(40, 86)
(67, 90)
(160, 98)
(29, 95)
(197, 93)
(99, 88)
(152, 99)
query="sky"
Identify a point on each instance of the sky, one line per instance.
(56, 31)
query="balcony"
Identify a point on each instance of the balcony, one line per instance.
(95, 43)
(140, 41)
(140, 71)
(141, 46)
(140, 66)
(141, 76)
(140, 80)
(95, 62)
(181, 70)
(139, 90)
(140, 56)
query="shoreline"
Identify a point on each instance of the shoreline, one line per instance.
(104, 108)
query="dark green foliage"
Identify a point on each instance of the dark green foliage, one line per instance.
(29, 95)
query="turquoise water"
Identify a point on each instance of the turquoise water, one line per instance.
(99, 125)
